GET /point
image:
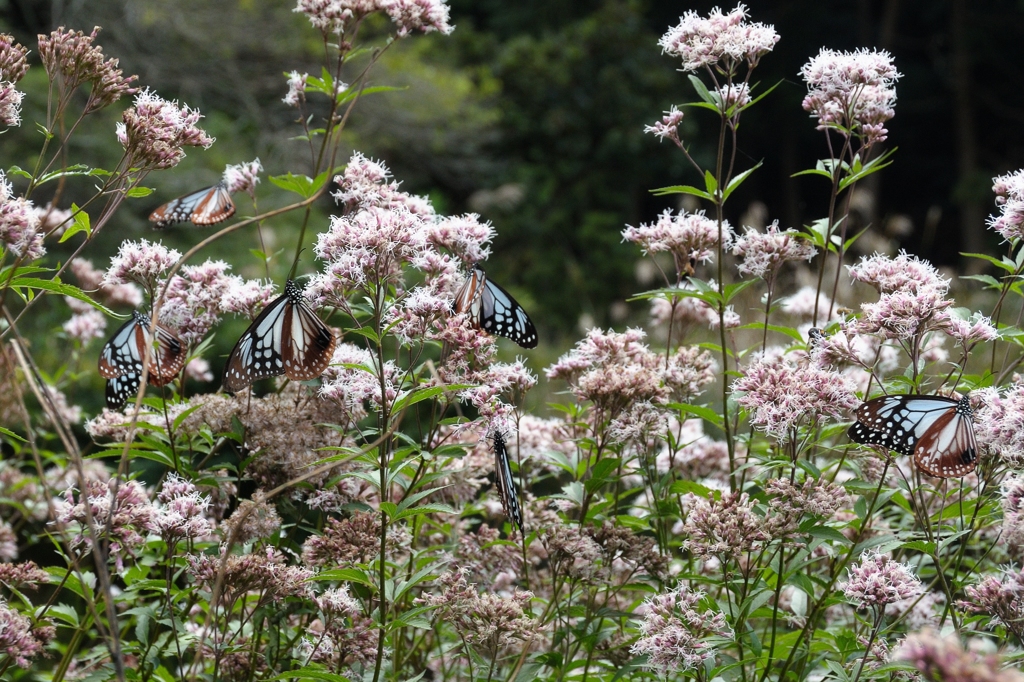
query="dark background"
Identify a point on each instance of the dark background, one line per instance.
(532, 113)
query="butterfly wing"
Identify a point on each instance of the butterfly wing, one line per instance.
(168, 357)
(207, 206)
(505, 483)
(257, 354)
(308, 344)
(467, 300)
(120, 388)
(936, 430)
(502, 315)
(948, 449)
(122, 353)
(287, 338)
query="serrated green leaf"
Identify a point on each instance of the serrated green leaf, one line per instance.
(80, 223)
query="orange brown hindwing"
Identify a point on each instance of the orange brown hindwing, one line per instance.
(207, 206)
(938, 431)
(286, 338)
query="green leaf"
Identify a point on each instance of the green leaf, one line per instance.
(705, 413)
(351, 575)
(828, 533)
(346, 95)
(77, 169)
(701, 491)
(11, 434)
(1004, 263)
(680, 189)
(710, 183)
(738, 180)
(303, 185)
(139, 191)
(432, 508)
(921, 546)
(812, 171)
(19, 171)
(80, 224)
(55, 286)
(702, 90)
(410, 398)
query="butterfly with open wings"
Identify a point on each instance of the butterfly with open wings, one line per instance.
(286, 338)
(493, 309)
(505, 483)
(208, 206)
(122, 357)
(937, 431)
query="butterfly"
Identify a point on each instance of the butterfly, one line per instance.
(937, 431)
(493, 309)
(207, 206)
(122, 357)
(287, 338)
(504, 482)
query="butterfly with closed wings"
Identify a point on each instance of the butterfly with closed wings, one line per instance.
(493, 309)
(937, 431)
(286, 338)
(122, 357)
(208, 206)
(505, 483)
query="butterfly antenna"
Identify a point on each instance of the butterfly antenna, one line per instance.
(295, 264)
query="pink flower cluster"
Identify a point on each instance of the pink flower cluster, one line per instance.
(613, 370)
(764, 253)
(877, 581)
(141, 262)
(10, 105)
(781, 394)
(182, 511)
(335, 16)
(242, 177)
(125, 516)
(851, 91)
(19, 225)
(13, 62)
(689, 237)
(296, 89)
(668, 126)
(198, 297)
(1000, 596)
(674, 631)
(1009, 191)
(154, 132)
(999, 422)
(942, 659)
(20, 642)
(721, 37)
(912, 301)
(71, 58)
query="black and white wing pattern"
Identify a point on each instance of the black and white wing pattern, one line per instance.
(120, 389)
(122, 357)
(287, 338)
(937, 431)
(505, 483)
(207, 206)
(493, 309)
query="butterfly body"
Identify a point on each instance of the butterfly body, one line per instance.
(208, 206)
(286, 338)
(122, 357)
(505, 483)
(937, 431)
(493, 309)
